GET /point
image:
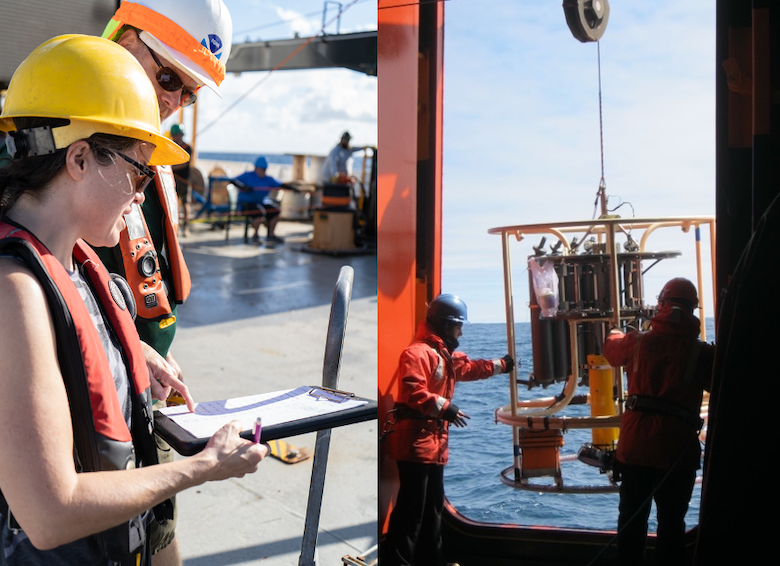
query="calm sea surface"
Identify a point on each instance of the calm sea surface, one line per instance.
(280, 159)
(483, 449)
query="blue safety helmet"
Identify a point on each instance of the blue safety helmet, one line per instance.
(261, 163)
(447, 308)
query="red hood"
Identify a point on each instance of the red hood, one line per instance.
(674, 320)
(426, 333)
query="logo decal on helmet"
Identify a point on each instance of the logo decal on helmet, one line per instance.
(214, 45)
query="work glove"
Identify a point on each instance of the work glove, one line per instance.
(455, 416)
(509, 363)
(460, 419)
(503, 365)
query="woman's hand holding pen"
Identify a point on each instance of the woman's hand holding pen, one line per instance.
(229, 455)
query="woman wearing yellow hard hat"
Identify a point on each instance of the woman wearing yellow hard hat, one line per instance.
(77, 476)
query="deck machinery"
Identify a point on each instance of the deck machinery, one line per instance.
(574, 285)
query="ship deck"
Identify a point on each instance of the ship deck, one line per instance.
(256, 321)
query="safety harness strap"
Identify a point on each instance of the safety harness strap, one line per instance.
(406, 412)
(657, 405)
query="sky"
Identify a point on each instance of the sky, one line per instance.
(522, 142)
(288, 111)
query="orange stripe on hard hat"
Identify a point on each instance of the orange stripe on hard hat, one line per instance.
(171, 34)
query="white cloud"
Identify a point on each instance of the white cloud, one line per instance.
(521, 128)
(298, 23)
(287, 112)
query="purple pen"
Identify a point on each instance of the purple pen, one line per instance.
(258, 429)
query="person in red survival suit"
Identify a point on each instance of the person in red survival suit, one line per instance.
(426, 376)
(659, 452)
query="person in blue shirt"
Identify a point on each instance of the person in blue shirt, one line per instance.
(255, 193)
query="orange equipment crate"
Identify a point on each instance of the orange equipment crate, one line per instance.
(540, 453)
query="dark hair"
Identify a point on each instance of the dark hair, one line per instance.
(33, 175)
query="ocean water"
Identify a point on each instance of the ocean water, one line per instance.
(245, 157)
(272, 158)
(480, 451)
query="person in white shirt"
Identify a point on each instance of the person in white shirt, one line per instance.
(339, 160)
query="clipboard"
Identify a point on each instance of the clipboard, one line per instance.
(187, 444)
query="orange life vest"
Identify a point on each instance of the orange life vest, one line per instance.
(102, 440)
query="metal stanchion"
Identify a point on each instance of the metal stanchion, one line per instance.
(334, 344)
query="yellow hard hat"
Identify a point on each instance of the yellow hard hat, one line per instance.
(97, 85)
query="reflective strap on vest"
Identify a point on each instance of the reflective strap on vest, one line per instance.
(166, 191)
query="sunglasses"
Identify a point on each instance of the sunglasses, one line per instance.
(170, 81)
(147, 174)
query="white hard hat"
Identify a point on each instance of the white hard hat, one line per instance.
(195, 36)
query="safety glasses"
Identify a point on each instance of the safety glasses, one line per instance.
(147, 174)
(170, 81)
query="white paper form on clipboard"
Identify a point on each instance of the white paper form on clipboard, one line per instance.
(275, 408)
